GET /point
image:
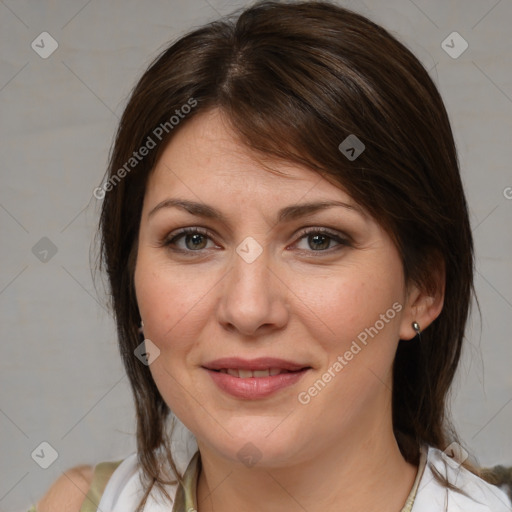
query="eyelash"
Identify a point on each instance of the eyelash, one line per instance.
(171, 240)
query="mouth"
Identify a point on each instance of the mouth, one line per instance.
(256, 378)
(260, 367)
(246, 374)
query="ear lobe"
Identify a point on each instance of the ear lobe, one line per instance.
(424, 310)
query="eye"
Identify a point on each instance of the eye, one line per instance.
(194, 240)
(321, 239)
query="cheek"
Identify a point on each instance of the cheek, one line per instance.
(172, 303)
(360, 316)
(343, 305)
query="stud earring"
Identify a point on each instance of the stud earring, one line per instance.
(416, 327)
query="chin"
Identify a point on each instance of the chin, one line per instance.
(255, 446)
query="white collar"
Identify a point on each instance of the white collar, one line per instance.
(432, 496)
(124, 490)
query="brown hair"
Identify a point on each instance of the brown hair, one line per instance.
(294, 80)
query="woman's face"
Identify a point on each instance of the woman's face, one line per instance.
(261, 275)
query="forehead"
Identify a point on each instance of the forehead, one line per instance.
(206, 156)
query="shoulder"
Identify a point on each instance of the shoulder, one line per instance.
(68, 491)
(473, 493)
(125, 488)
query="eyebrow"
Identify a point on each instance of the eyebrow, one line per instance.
(286, 214)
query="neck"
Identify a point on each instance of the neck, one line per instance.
(337, 477)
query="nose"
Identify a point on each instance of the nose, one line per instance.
(253, 299)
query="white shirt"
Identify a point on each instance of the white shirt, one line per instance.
(124, 490)
(432, 496)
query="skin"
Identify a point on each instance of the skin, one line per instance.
(303, 299)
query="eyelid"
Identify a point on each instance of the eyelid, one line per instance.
(337, 235)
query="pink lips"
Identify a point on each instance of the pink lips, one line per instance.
(243, 385)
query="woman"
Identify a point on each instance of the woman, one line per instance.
(287, 242)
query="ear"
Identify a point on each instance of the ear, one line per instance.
(423, 303)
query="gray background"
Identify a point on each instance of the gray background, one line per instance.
(62, 379)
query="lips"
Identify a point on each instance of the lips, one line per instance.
(256, 378)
